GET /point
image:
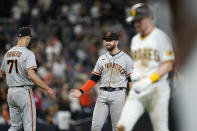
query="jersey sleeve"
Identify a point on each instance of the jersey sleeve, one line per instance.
(129, 66)
(166, 52)
(30, 61)
(3, 66)
(97, 70)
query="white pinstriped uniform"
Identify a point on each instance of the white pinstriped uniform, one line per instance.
(16, 62)
(148, 54)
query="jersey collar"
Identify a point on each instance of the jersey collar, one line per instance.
(114, 56)
(20, 46)
(144, 37)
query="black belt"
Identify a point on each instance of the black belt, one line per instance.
(20, 86)
(112, 89)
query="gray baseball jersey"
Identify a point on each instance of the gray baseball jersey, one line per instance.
(16, 62)
(114, 71)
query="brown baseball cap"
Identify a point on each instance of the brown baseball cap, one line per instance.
(138, 12)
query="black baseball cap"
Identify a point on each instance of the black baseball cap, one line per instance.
(24, 31)
(138, 12)
(111, 36)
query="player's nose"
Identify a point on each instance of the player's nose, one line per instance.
(107, 43)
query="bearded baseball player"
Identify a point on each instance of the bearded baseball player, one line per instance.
(153, 58)
(19, 66)
(113, 69)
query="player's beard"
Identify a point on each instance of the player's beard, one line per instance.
(111, 47)
(138, 28)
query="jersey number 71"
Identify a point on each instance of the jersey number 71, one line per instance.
(12, 63)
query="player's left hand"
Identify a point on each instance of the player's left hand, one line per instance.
(75, 93)
(142, 85)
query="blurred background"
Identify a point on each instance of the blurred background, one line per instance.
(67, 40)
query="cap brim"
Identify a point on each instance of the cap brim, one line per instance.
(107, 38)
(110, 38)
(132, 19)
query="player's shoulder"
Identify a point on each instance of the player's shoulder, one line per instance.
(102, 56)
(29, 52)
(22, 49)
(136, 36)
(125, 55)
(160, 33)
(11, 49)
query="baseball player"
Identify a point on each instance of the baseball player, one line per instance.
(113, 69)
(153, 59)
(18, 66)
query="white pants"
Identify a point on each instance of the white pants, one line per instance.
(155, 103)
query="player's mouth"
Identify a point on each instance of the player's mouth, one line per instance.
(108, 45)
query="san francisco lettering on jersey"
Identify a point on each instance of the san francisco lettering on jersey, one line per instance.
(114, 66)
(14, 54)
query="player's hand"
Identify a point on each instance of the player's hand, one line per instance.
(75, 93)
(141, 85)
(51, 92)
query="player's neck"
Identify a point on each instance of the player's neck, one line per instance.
(114, 51)
(147, 31)
(21, 44)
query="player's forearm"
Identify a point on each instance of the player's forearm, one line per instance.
(165, 68)
(36, 79)
(162, 70)
(87, 86)
(90, 83)
(39, 82)
(130, 85)
(1, 76)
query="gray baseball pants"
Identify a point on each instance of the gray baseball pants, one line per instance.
(22, 109)
(108, 102)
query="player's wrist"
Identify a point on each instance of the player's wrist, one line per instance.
(154, 77)
(81, 91)
(48, 89)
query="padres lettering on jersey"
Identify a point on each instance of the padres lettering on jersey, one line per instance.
(145, 53)
(113, 70)
(149, 53)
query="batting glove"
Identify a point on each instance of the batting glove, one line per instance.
(144, 84)
(141, 85)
